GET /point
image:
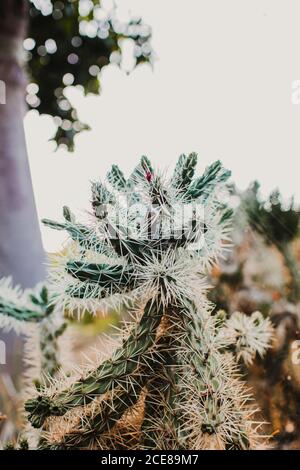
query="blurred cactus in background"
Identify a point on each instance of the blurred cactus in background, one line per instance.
(30, 314)
(173, 380)
(278, 224)
(262, 273)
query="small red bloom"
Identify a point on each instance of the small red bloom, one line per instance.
(149, 176)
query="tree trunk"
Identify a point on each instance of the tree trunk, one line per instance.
(21, 252)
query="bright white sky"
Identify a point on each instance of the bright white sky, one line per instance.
(221, 86)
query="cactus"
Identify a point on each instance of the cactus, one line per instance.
(31, 313)
(178, 364)
(278, 224)
(174, 380)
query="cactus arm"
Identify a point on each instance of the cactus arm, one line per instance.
(216, 386)
(20, 313)
(31, 307)
(184, 172)
(103, 421)
(116, 178)
(109, 411)
(205, 184)
(161, 427)
(141, 171)
(101, 199)
(98, 281)
(80, 234)
(102, 274)
(160, 421)
(123, 362)
(49, 335)
(94, 424)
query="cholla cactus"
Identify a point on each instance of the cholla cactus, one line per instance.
(173, 382)
(278, 223)
(31, 313)
(251, 335)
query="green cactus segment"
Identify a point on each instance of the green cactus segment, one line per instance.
(68, 216)
(109, 411)
(98, 281)
(142, 250)
(101, 421)
(155, 410)
(54, 225)
(128, 248)
(101, 195)
(226, 217)
(101, 199)
(77, 232)
(41, 308)
(102, 274)
(143, 172)
(81, 234)
(160, 416)
(136, 250)
(116, 178)
(49, 335)
(89, 291)
(203, 186)
(20, 313)
(211, 382)
(124, 361)
(146, 164)
(48, 329)
(184, 172)
(161, 425)
(158, 193)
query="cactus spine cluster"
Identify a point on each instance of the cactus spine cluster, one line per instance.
(31, 313)
(173, 382)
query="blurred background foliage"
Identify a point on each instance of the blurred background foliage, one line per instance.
(68, 44)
